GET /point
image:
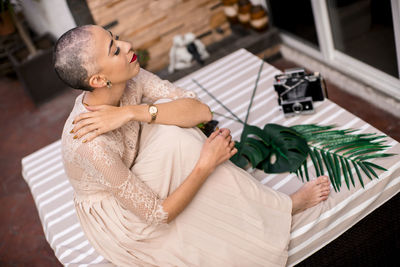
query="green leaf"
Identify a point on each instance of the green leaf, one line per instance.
(349, 171)
(371, 170)
(306, 170)
(366, 151)
(363, 148)
(331, 165)
(321, 166)
(238, 159)
(253, 154)
(329, 168)
(358, 174)
(352, 144)
(344, 169)
(288, 146)
(364, 169)
(314, 161)
(337, 166)
(374, 165)
(374, 156)
(259, 145)
(301, 174)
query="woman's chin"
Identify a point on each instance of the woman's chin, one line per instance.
(136, 69)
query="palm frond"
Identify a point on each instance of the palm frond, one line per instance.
(338, 148)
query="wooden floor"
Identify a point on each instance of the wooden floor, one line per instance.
(25, 128)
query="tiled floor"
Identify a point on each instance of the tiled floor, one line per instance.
(26, 128)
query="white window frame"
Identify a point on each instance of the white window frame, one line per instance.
(378, 79)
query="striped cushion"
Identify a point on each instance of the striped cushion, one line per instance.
(232, 80)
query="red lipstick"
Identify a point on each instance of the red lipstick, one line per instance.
(134, 57)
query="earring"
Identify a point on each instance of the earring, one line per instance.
(109, 84)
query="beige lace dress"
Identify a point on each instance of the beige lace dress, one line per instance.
(121, 178)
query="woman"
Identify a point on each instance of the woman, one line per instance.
(150, 188)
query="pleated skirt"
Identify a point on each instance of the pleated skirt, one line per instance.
(233, 219)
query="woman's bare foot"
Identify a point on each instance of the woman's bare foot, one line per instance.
(310, 194)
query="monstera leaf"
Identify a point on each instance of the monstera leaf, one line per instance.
(274, 149)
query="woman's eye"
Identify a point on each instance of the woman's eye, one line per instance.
(117, 51)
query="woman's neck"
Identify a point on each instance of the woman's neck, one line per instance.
(104, 96)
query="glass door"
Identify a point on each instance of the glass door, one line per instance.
(358, 37)
(296, 19)
(363, 29)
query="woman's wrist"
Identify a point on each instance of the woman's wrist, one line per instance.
(204, 168)
(138, 113)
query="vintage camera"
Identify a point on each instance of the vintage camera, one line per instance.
(297, 91)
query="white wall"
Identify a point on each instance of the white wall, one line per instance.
(48, 16)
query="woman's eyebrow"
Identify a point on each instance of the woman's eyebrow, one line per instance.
(111, 43)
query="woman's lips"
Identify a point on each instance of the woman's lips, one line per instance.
(134, 57)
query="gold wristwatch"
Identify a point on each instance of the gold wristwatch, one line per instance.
(153, 110)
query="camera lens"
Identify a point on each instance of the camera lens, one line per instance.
(297, 107)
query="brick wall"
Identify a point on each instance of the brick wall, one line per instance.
(151, 24)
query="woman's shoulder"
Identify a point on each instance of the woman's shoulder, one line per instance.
(77, 109)
(74, 145)
(101, 149)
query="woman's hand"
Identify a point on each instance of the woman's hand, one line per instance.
(99, 120)
(217, 149)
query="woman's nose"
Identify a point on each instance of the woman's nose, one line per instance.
(126, 46)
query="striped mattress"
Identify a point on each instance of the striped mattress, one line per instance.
(231, 79)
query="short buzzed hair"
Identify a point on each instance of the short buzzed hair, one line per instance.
(72, 57)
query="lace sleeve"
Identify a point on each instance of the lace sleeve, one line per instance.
(154, 88)
(105, 166)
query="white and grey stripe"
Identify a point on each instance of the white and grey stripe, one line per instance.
(231, 79)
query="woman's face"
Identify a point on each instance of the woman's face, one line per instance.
(116, 59)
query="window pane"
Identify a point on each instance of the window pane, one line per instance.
(296, 18)
(363, 29)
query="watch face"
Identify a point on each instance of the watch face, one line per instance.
(153, 109)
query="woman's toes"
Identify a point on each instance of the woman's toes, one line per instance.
(325, 194)
(322, 180)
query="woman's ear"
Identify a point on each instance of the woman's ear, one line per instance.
(97, 81)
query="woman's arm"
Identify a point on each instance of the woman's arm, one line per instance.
(184, 112)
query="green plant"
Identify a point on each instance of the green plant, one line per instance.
(278, 149)
(143, 57)
(5, 5)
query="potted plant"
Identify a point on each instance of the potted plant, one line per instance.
(143, 57)
(6, 24)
